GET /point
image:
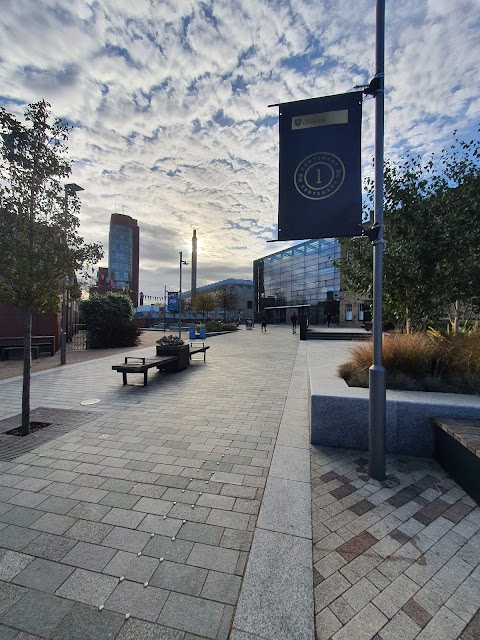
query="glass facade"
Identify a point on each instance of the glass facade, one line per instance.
(120, 258)
(301, 275)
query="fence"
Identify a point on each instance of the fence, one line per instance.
(77, 338)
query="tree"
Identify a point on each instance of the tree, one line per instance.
(109, 321)
(226, 298)
(205, 301)
(432, 227)
(39, 244)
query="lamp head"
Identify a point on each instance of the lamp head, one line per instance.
(72, 187)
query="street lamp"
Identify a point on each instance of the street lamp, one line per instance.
(68, 188)
(182, 262)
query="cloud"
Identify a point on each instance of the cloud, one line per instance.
(169, 102)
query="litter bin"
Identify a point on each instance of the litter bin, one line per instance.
(249, 323)
(203, 332)
(191, 333)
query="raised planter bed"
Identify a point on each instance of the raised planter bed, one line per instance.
(339, 413)
(182, 352)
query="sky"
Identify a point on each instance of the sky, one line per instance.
(168, 103)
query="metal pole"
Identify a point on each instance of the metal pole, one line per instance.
(63, 333)
(377, 400)
(180, 300)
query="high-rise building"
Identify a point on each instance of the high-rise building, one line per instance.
(123, 255)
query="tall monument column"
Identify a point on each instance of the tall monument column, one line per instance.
(194, 267)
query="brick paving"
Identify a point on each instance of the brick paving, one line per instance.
(393, 560)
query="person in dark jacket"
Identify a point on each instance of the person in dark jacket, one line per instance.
(294, 320)
(264, 324)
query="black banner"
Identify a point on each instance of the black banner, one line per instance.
(320, 191)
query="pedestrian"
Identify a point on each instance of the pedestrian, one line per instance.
(264, 324)
(293, 320)
(329, 319)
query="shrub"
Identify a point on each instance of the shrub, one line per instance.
(213, 325)
(229, 327)
(109, 321)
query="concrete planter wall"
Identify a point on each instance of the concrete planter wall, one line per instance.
(339, 416)
(181, 351)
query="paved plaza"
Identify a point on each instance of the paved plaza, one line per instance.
(184, 509)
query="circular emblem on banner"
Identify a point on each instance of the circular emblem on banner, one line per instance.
(319, 175)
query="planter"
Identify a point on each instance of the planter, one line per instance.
(182, 352)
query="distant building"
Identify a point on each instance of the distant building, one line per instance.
(124, 255)
(102, 285)
(243, 290)
(304, 278)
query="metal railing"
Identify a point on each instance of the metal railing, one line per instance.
(77, 338)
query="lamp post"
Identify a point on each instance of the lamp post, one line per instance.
(68, 188)
(182, 262)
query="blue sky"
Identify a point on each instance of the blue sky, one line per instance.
(168, 99)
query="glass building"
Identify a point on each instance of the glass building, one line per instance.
(123, 254)
(302, 277)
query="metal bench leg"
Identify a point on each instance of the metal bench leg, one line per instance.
(145, 378)
(124, 377)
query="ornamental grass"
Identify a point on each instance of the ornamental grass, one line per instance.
(431, 361)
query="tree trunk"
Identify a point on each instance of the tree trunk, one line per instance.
(408, 322)
(27, 367)
(456, 317)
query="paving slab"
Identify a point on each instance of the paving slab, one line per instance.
(139, 601)
(37, 613)
(43, 575)
(278, 582)
(87, 623)
(194, 615)
(88, 587)
(132, 566)
(178, 577)
(12, 563)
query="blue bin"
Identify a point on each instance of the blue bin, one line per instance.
(203, 332)
(191, 333)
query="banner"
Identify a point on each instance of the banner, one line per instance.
(172, 301)
(320, 190)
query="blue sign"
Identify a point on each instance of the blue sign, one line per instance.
(172, 301)
(320, 190)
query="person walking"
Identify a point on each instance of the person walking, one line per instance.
(264, 324)
(294, 320)
(329, 319)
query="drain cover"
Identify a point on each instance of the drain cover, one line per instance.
(91, 401)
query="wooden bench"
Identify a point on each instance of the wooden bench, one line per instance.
(195, 349)
(457, 449)
(45, 344)
(142, 366)
(6, 352)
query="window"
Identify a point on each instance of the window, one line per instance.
(360, 310)
(348, 312)
(249, 304)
